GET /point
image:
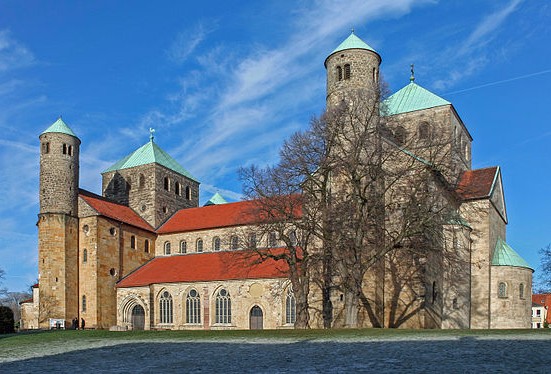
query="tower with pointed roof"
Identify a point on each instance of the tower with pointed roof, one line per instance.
(352, 68)
(152, 183)
(58, 223)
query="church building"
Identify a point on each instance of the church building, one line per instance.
(145, 255)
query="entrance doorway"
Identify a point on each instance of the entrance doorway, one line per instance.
(256, 319)
(138, 318)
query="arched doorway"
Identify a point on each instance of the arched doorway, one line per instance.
(138, 318)
(256, 319)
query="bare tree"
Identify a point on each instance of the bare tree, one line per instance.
(370, 197)
(545, 265)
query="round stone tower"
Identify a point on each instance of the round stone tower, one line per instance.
(59, 169)
(58, 225)
(353, 67)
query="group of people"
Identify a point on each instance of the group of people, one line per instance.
(74, 325)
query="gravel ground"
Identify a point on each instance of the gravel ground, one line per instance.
(480, 354)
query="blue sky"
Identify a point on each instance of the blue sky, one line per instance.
(224, 82)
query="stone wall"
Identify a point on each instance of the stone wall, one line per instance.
(142, 188)
(514, 310)
(268, 294)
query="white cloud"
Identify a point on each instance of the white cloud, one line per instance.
(13, 55)
(187, 41)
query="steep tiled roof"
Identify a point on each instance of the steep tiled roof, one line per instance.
(215, 216)
(412, 98)
(113, 210)
(149, 153)
(477, 184)
(60, 127)
(203, 267)
(504, 255)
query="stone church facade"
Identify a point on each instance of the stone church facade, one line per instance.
(144, 255)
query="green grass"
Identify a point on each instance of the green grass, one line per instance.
(68, 336)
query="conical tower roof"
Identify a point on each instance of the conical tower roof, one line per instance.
(59, 127)
(411, 98)
(504, 255)
(352, 42)
(216, 199)
(149, 153)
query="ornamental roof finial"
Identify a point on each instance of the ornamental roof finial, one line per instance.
(151, 132)
(412, 78)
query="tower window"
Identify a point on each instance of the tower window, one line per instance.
(347, 71)
(178, 188)
(70, 150)
(83, 303)
(188, 193)
(167, 184)
(146, 246)
(64, 149)
(133, 242)
(46, 147)
(167, 248)
(521, 290)
(141, 182)
(84, 256)
(339, 73)
(424, 131)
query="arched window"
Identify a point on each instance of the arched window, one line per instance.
(46, 147)
(167, 248)
(183, 246)
(234, 242)
(165, 308)
(133, 242)
(193, 307)
(252, 240)
(84, 256)
(199, 245)
(216, 243)
(70, 150)
(339, 73)
(347, 71)
(64, 149)
(521, 290)
(272, 239)
(178, 188)
(167, 184)
(146, 246)
(223, 307)
(188, 193)
(400, 135)
(83, 303)
(290, 306)
(293, 238)
(424, 131)
(502, 290)
(141, 182)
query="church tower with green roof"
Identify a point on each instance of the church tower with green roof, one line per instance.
(352, 68)
(152, 183)
(58, 223)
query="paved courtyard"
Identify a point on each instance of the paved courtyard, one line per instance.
(449, 354)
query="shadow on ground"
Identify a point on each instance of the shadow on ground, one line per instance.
(465, 355)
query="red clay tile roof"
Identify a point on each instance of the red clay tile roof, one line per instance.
(202, 267)
(223, 215)
(477, 184)
(113, 210)
(545, 300)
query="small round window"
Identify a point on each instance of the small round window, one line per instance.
(193, 293)
(113, 231)
(86, 229)
(223, 293)
(113, 272)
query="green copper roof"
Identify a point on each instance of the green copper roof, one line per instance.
(216, 199)
(149, 153)
(411, 98)
(60, 127)
(353, 42)
(504, 255)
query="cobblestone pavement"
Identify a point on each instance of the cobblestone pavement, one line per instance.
(471, 354)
